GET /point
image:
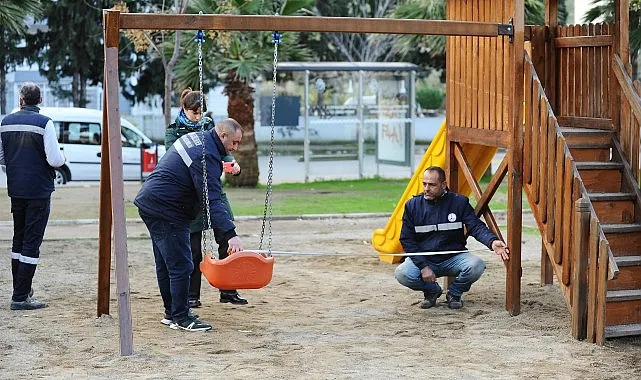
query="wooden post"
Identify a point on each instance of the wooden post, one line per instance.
(580, 266)
(552, 22)
(104, 227)
(111, 94)
(515, 170)
(547, 272)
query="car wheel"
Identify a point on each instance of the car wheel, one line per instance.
(61, 177)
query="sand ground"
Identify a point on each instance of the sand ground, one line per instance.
(320, 318)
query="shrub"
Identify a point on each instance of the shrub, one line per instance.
(430, 98)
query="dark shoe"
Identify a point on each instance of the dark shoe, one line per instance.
(28, 304)
(194, 303)
(232, 296)
(430, 299)
(454, 302)
(191, 324)
(167, 320)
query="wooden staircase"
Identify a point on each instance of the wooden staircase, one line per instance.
(616, 199)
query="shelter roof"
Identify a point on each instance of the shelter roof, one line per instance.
(347, 66)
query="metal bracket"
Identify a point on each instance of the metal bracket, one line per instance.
(507, 29)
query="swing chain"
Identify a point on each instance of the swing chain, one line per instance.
(276, 40)
(207, 239)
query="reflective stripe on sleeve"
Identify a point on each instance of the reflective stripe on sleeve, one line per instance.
(180, 148)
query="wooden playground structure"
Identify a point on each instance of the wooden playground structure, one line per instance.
(564, 109)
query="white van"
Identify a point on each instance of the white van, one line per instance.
(79, 136)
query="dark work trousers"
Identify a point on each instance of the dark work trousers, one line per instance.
(172, 253)
(30, 217)
(197, 257)
(223, 247)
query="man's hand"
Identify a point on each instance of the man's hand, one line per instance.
(235, 168)
(234, 245)
(428, 275)
(501, 249)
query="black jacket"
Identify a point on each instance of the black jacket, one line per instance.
(438, 226)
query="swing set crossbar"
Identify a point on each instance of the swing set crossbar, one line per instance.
(311, 24)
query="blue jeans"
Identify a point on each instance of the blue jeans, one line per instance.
(172, 253)
(466, 267)
(30, 217)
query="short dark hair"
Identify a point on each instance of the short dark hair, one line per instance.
(30, 94)
(228, 125)
(439, 170)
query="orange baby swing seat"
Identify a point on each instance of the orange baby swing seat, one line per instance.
(240, 270)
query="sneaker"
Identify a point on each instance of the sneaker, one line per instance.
(167, 320)
(28, 304)
(194, 303)
(191, 324)
(454, 302)
(430, 299)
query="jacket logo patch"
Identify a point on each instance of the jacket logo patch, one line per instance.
(451, 217)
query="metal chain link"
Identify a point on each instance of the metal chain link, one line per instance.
(207, 235)
(268, 194)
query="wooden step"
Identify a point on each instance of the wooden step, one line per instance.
(588, 152)
(627, 261)
(624, 238)
(629, 277)
(600, 177)
(623, 307)
(586, 136)
(614, 207)
(623, 295)
(622, 330)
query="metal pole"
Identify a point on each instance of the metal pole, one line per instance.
(306, 136)
(412, 104)
(361, 124)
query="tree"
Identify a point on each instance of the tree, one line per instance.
(420, 49)
(72, 47)
(12, 30)
(604, 10)
(354, 47)
(238, 59)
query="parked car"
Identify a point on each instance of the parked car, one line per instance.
(79, 132)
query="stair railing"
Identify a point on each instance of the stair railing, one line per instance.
(570, 230)
(630, 114)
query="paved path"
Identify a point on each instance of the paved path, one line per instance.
(291, 169)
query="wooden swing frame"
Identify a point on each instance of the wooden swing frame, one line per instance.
(112, 208)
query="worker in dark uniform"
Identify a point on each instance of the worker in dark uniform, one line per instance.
(433, 221)
(171, 198)
(29, 152)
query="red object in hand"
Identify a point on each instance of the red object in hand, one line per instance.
(228, 167)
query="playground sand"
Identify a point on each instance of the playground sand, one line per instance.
(320, 318)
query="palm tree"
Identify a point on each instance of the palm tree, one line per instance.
(13, 13)
(238, 59)
(604, 10)
(421, 49)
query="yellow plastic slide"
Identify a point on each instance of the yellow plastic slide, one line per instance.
(386, 240)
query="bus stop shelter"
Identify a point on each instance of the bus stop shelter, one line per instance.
(395, 122)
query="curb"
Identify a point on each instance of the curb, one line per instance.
(77, 222)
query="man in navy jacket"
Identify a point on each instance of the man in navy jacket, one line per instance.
(29, 152)
(433, 222)
(171, 198)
